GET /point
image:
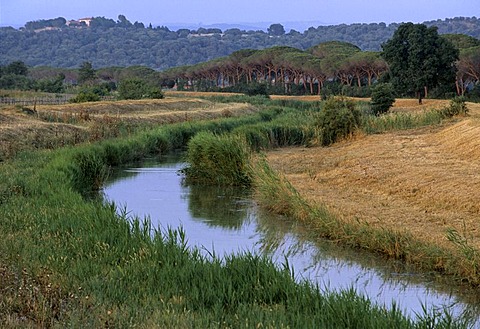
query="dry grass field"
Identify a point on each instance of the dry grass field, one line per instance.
(423, 181)
(58, 125)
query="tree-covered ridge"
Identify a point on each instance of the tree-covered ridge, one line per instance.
(106, 42)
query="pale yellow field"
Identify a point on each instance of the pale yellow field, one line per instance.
(423, 181)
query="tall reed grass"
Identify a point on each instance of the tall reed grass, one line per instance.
(401, 121)
(218, 160)
(370, 123)
(288, 130)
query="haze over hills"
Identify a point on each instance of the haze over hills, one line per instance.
(106, 42)
(300, 26)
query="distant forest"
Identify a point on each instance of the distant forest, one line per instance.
(119, 43)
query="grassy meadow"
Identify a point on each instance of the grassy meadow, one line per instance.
(69, 260)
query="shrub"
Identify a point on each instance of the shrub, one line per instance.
(338, 119)
(90, 94)
(382, 98)
(85, 96)
(458, 106)
(135, 88)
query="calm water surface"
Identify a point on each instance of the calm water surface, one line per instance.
(225, 221)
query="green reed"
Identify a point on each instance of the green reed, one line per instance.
(400, 121)
(218, 160)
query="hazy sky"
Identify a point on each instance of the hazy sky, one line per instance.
(204, 12)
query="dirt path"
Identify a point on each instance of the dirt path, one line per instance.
(423, 181)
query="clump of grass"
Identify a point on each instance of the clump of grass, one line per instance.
(400, 121)
(274, 192)
(240, 98)
(299, 105)
(218, 160)
(471, 256)
(90, 168)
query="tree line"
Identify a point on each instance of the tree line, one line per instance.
(107, 42)
(417, 61)
(82, 84)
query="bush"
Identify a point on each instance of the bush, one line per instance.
(382, 98)
(92, 93)
(135, 88)
(338, 119)
(85, 96)
(457, 107)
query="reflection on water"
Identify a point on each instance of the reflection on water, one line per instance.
(225, 221)
(218, 206)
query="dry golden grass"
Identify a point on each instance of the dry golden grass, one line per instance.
(146, 109)
(423, 181)
(197, 94)
(408, 105)
(57, 125)
(311, 98)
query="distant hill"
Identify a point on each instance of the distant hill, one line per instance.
(106, 43)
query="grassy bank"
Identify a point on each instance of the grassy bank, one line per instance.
(277, 194)
(71, 261)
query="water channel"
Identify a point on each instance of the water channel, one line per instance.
(226, 220)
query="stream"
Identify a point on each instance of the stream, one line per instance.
(223, 221)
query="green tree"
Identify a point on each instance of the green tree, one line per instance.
(462, 41)
(468, 74)
(51, 85)
(14, 76)
(123, 21)
(98, 22)
(16, 68)
(419, 59)
(382, 98)
(276, 30)
(86, 73)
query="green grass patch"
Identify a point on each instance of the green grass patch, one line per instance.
(401, 121)
(218, 160)
(410, 120)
